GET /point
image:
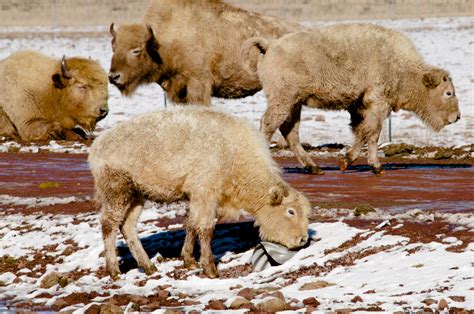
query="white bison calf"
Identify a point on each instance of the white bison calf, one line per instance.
(220, 163)
(43, 98)
(365, 69)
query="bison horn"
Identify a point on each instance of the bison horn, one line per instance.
(112, 30)
(64, 70)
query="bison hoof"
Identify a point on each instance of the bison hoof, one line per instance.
(115, 275)
(343, 163)
(313, 170)
(211, 272)
(378, 170)
(191, 264)
(150, 270)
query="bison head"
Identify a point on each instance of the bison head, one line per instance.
(81, 86)
(135, 59)
(441, 107)
(284, 219)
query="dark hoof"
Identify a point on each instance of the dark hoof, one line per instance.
(150, 270)
(313, 170)
(378, 170)
(191, 264)
(115, 276)
(343, 163)
(211, 271)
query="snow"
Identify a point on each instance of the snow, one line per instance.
(401, 273)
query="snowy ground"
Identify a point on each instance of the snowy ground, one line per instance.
(357, 267)
(59, 265)
(444, 42)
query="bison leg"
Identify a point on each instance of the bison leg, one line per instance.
(129, 231)
(351, 154)
(207, 259)
(290, 131)
(114, 194)
(109, 235)
(367, 130)
(187, 253)
(41, 130)
(202, 216)
(373, 160)
(7, 128)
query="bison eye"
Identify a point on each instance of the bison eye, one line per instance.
(290, 212)
(448, 93)
(136, 52)
(445, 79)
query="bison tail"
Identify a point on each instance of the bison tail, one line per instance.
(251, 51)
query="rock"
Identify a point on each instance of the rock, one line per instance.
(68, 250)
(398, 150)
(457, 298)
(250, 306)
(163, 294)
(50, 280)
(247, 293)
(53, 279)
(110, 308)
(238, 303)
(312, 301)
(272, 304)
(357, 299)
(443, 154)
(276, 294)
(429, 301)
(315, 285)
(319, 118)
(93, 309)
(63, 281)
(362, 210)
(216, 305)
(443, 305)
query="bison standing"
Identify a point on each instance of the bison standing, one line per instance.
(43, 98)
(220, 163)
(191, 48)
(365, 69)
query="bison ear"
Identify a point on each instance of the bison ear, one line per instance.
(58, 81)
(277, 193)
(431, 79)
(152, 46)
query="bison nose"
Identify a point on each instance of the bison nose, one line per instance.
(102, 114)
(303, 240)
(113, 77)
(458, 117)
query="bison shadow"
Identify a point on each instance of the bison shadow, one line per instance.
(228, 237)
(387, 167)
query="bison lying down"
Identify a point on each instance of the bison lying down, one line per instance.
(191, 48)
(220, 163)
(43, 98)
(367, 70)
